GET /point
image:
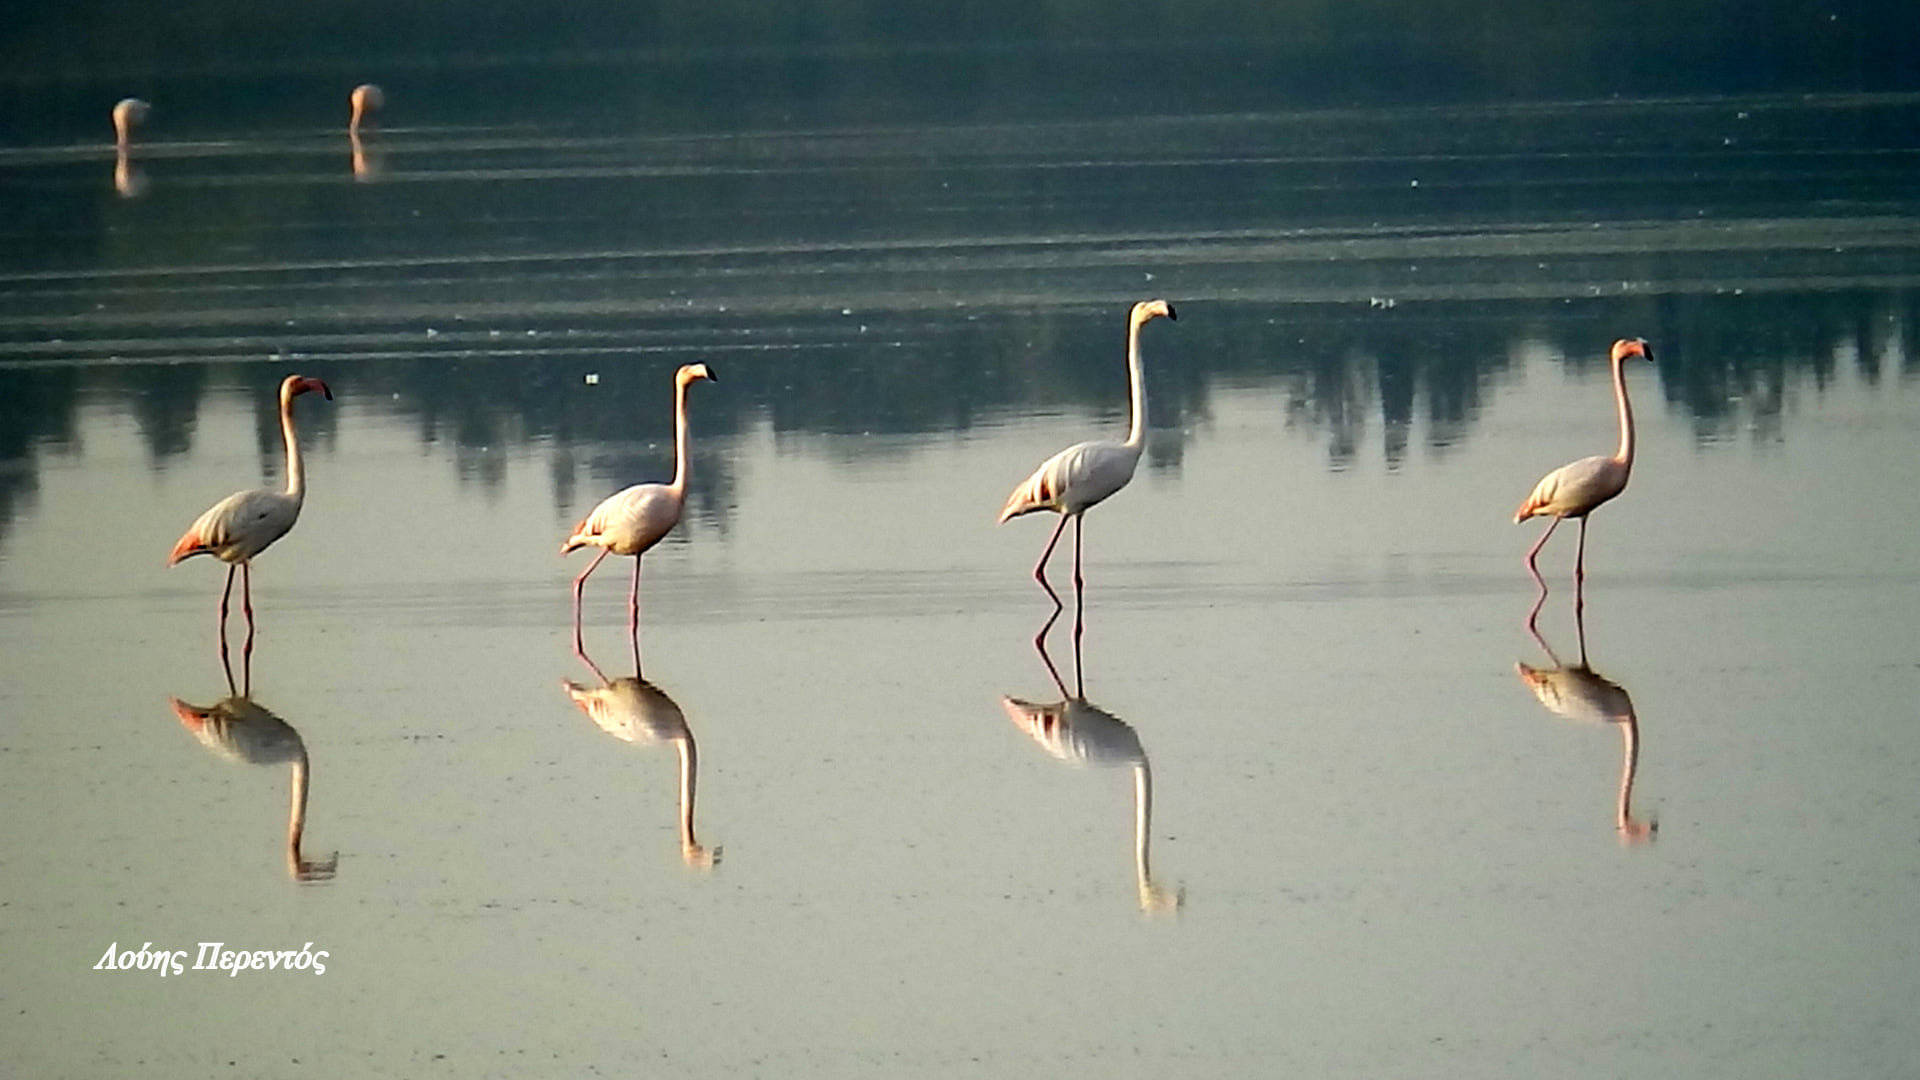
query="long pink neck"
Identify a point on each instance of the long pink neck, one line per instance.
(1625, 454)
(1136, 389)
(680, 455)
(296, 471)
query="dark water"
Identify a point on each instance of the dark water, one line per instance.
(1311, 811)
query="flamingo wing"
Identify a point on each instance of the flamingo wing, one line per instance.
(1074, 479)
(239, 526)
(629, 522)
(1574, 489)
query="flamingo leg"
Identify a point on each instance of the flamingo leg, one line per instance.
(1040, 568)
(1532, 568)
(1079, 583)
(246, 604)
(580, 583)
(633, 615)
(1079, 669)
(225, 596)
(1580, 572)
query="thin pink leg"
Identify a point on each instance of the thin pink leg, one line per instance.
(633, 615)
(1580, 572)
(1540, 600)
(225, 596)
(1079, 583)
(1040, 568)
(246, 603)
(580, 583)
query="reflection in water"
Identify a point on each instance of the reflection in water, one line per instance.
(1577, 692)
(240, 729)
(1081, 476)
(246, 523)
(641, 713)
(128, 181)
(1578, 489)
(1077, 732)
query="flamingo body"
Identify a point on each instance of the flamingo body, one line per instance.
(128, 113)
(629, 522)
(238, 527)
(365, 98)
(1576, 489)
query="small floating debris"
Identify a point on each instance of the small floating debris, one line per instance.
(593, 378)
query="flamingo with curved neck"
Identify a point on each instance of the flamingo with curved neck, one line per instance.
(1578, 489)
(630, 522)
(1078, 478)
(245, 523)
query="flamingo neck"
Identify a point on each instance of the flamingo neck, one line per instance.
(1630, 733)
(680, 455)
(1136, 390)
(296, 471)
(1142, 825)
(297, 811)
(1625, 455)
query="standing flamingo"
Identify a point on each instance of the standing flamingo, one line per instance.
(246, 523)
(1079, 477)
(365, 99)
(631, 521)
(1578, 489)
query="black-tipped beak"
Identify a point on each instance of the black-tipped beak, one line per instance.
(1646, 350)
(711, 377)
(1171, 315)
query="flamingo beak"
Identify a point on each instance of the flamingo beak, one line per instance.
(316, 384)
(1171, 317)
(711, 377)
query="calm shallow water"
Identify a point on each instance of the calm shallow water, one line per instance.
(1373, 852)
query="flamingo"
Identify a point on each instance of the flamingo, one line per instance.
(241, 730)
(1081, 476)
(1577, 489)
(127, 114)
(246, 523)
(635, 711)
(630, 522)
(1079, 733)
(1577, 692)
(365, 99)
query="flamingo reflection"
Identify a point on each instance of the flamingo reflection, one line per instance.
(635, 711)
(1077, 732)
(242, 730)
(1577, 692)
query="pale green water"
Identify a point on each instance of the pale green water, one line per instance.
(1307, 607)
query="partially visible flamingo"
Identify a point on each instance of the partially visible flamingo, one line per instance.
(365, 99)
(631, 521)
(128, 113)
(1578, 489)
(1078, 478)
(246, 523)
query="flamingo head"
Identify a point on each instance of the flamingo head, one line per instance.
(1147, 310)
(1626, 347)
(693, 373)
(295, 385)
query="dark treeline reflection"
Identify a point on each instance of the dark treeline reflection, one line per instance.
(684, 64)
(1350, 373)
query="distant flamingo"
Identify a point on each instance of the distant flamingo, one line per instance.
(1079, 477)
(632, 521)
(1578, 489)
(365, 99)
(128, 113)
(246, 523)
